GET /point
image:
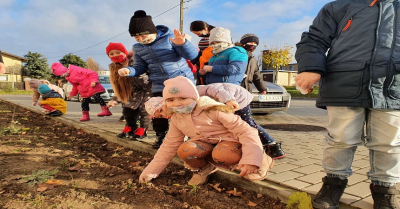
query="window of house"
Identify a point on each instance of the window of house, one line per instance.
(3, 78)
(291, 67)
(283, 68)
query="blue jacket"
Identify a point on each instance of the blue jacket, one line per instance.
(229, 66)
(162, 59)
(362, 66)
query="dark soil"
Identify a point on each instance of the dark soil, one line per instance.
(293, 127)
(93, 173)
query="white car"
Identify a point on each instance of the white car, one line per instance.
(276, 99)
(104, 81)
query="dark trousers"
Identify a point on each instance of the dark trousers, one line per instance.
(132, 115)
(97, 98)
(245, 114)
(159, 124)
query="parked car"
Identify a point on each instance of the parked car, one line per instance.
(104, 81)
(276, 99)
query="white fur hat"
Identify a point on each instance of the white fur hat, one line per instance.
(220, 34)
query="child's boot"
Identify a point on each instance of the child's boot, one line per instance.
(139, 133)
(266, 165)
(275, 151)
(201, 176)
(55, 113)
(85, 116)
(124, 132)
(159, 140)
(105, 111)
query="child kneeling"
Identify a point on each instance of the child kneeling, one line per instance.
(51, 101)
(218, 138)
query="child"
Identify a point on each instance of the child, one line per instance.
(52, 102)
(35, 83)
(234, 96)
(161, 52)
(214, 132)
(86, 83)
(228, 63)
(132, 91)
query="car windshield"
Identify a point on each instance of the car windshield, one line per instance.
(104, 79)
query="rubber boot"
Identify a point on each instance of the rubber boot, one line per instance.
(85, 116)
(105, 111)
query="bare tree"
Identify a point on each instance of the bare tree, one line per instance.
(93, 65)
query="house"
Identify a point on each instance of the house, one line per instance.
(285, 76)
(12, 76)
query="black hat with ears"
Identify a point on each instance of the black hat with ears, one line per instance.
(141, 24)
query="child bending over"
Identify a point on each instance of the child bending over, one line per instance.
(52, 102)
(212, 128)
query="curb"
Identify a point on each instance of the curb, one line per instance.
(264, 187)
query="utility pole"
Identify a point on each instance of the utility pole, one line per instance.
(181, 18)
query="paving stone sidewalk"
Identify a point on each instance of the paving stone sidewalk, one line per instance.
(300, 170)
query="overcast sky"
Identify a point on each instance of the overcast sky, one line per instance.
(85, 27)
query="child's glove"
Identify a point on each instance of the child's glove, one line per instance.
(92, 84)
(34, 103)
(233, 104)
(123, 72)
(112, 103)
(145, 178)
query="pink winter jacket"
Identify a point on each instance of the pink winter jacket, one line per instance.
(211, 127)
(225, 92)
(80, 78)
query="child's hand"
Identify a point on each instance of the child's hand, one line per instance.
(112, 103)
(69, 97)
(178, 39)
(145, 178)
(202, 72)
(208, 68)
(247, 169)
(189, 38)
(233, 104)
(92, 84)
(123, 72)
(34, 103)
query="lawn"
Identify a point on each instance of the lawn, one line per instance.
(296, 93)
(16, 92)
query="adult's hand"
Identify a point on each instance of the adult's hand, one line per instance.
(178, 39)
(306, 80)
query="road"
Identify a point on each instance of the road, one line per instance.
(301, 111)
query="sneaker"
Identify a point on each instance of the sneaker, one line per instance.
(385, 197)
(139, 133)
(329, 195)
(124, 132)
(275, 151)
(201, 176)
(55, 113)
(121, 119)
(160, 138)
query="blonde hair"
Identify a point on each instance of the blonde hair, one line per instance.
(121, 84)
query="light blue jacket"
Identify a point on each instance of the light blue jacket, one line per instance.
(162, 59)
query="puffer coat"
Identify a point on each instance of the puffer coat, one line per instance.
(81, 78)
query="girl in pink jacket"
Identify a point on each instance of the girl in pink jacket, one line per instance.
(218, 138)
(86, 83)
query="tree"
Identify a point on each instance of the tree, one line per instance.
(277, 57)
(93, 65)
(71, 59)
(36, 67)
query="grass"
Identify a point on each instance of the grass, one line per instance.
(16, 92)
(296, 93)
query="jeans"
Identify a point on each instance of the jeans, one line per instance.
(346, 131)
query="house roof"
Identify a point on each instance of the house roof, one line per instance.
(23, 59)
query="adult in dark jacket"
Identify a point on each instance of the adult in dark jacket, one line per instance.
(163, 54)
(359, 82)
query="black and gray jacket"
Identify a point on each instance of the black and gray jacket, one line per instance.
(253, 75)
(51, 94)
(362, 66)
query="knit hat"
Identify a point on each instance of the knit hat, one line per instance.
(141, 24)
(220, 34)
(43, 89)
(153, 104)
(249, 37)
(116, 46)
(58, 69)
(180, 87)
(33, 83)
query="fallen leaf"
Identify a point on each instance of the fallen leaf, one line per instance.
(41, 189)
(23, 133)
(44, 137)
(176, 185)
(84, 170)
(216, 187)
(66, 134)
(16, 177)
(252, 204)
(81, 131)
(75, 168)
(136, 164)
(129, 153)
(122, 198)
(57, 151)
(234, 193)
(259, 195)
(53, 181)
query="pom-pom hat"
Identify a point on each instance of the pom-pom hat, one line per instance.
(141, 24)
(180, 87)
(153, 104)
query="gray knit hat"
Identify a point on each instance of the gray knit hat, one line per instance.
(249, 37)
(220, 34)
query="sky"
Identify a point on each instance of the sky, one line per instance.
(85, 27)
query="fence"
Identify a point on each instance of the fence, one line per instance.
(17, 85)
